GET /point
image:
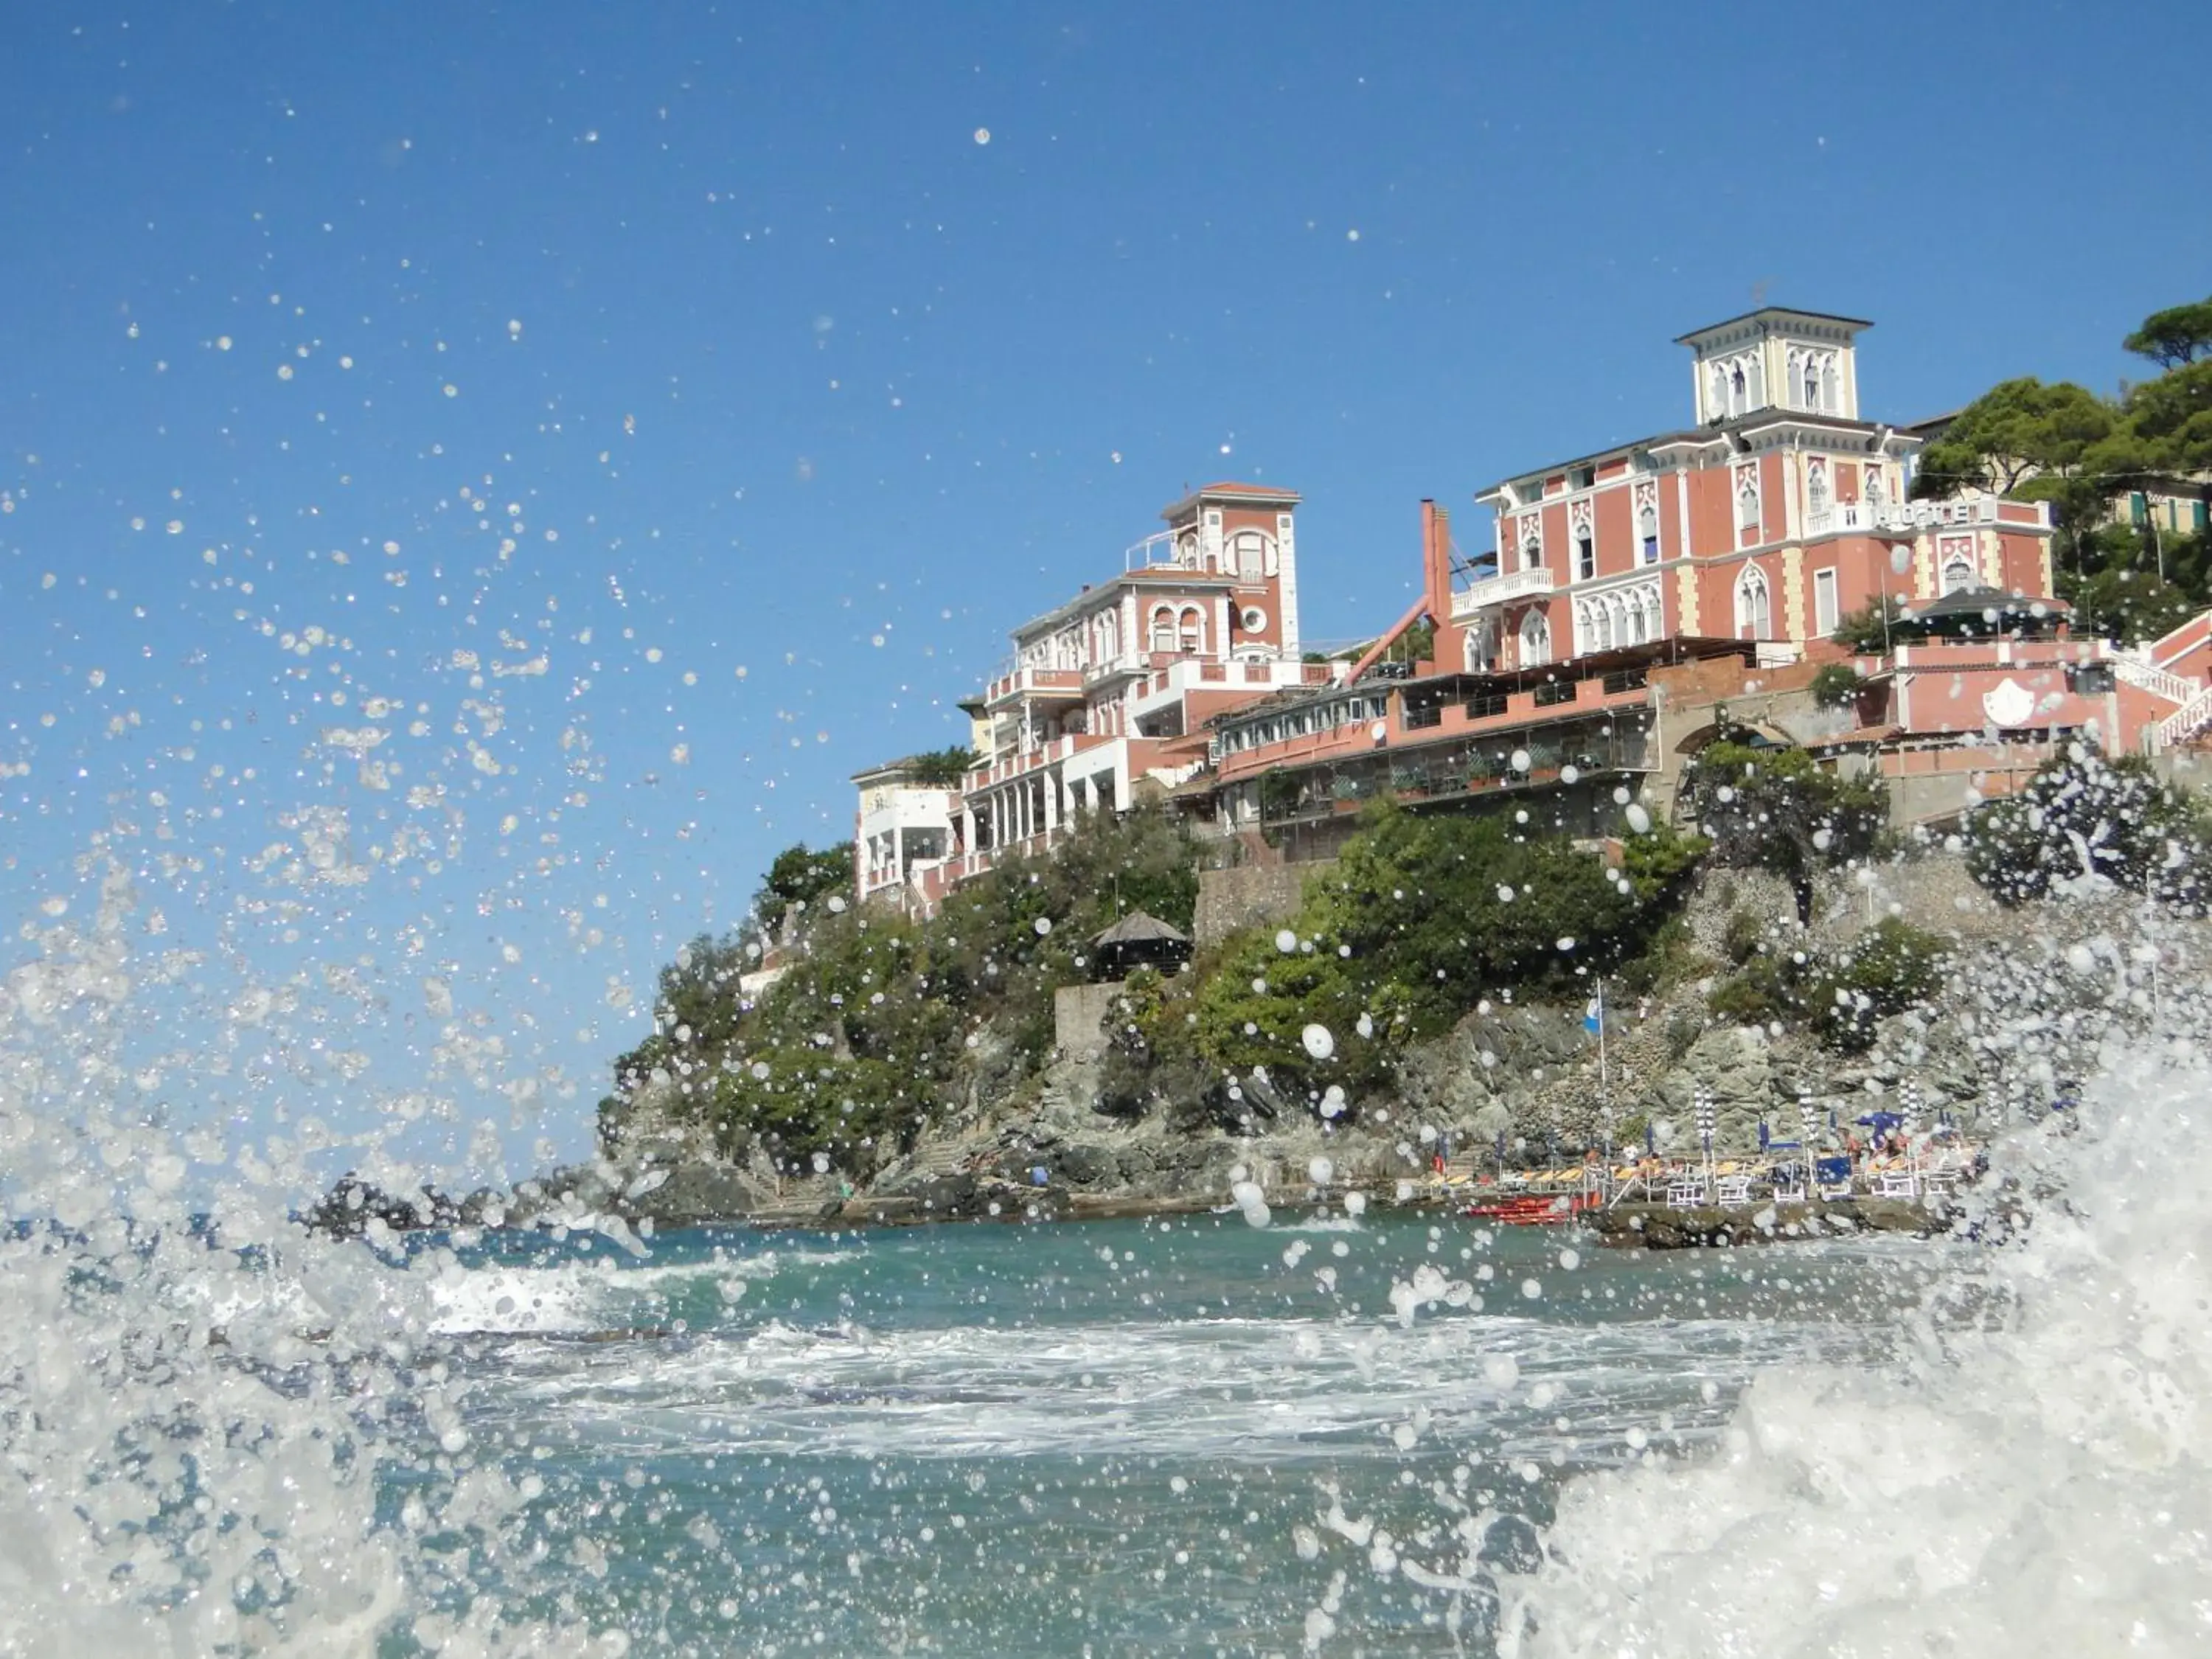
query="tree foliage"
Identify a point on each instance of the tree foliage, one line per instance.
(1867, 632)
(798, 877)
(1778, 809)
(941, 769)
(2085, 455)
(880, 1023)
(2087, 820)
(1839, 995)
(2176, 336)
(1423, 915)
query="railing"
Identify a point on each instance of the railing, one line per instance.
(1011, 681)
(2186, 721)
(1498, 590)
(2159, 682)
(1905, 517)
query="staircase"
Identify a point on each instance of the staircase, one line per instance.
(2159, 682)
(2186, 721)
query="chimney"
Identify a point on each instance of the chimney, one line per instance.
(1435, 560)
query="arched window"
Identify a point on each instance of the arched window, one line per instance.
(1532, 542)
(1830, 390)
(1535, 640)
(1735, 392)
(1647, 532)
(1651, 613)
(1109, 636)
(1816, 488)
(1746, 505)
(1251, 554)
(1480, 648)
(1633, 631)
(1876, 490)
(1812, 384)
(1194, 630)
(1754, 614)
(1164, 628)
(1719, 402)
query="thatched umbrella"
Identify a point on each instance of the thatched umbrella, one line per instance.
(1138, 940)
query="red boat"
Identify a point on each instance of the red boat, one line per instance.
(1533, 1209)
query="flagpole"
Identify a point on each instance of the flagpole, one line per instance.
(1604, 1082)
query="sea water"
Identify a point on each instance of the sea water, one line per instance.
(1397, 1433)
(1186, 1435)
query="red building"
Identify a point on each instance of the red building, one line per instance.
(1634, 595)
(1105, 695)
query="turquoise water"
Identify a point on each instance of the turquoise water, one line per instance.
(1172, 1436)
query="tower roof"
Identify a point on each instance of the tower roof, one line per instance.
(1259, 495)
(1777, 318)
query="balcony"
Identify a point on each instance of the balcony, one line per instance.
(1011, 682)
(1494, 591)
(1898, 517)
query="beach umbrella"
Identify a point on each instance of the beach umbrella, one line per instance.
(1650, 1139)
(1909, 1102)
(1881, 1122)
(1765, 1136)
(1702, 1104)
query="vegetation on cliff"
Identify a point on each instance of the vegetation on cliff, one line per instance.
(2084, 816)
(1423, 916)
(877, 1022)
(880, 1024)
(1777, 809)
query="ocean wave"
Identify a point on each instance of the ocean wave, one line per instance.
(2030, 1481)
(575, 1296)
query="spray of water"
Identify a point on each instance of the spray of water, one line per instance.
(2031, 1481)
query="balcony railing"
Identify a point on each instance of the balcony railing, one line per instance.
(1903, 518)
(1499, 590)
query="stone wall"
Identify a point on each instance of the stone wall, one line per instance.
(1230, 901)
(1077, 1014)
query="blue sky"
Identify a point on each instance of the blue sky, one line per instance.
(802, 394)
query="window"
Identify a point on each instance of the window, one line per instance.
(1754, 615)
(1647, 531)
(1535, 640)
(1251, 554)
(1581, 477)
(1254, 620)
(1532, 542)
(1876, 490)
(1480, 648)
(1812, 385)
(2197, 515)
(1825, 616)
(1585, 557)
(2138, 509)
(1816, 489)
(1164, 628)
(1735, 392)
(1747, 505)
(1192, 632)
(1718, 406)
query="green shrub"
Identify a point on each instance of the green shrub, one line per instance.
(1836, 686)
(1741, 936)
(2084, 816)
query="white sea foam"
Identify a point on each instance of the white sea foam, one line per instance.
(2037, 1485)
(1197, 1388)
(601, 1293)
